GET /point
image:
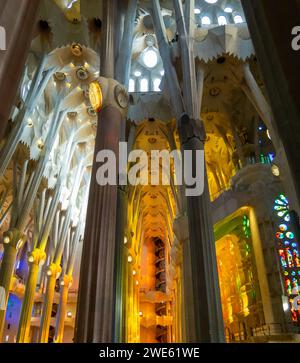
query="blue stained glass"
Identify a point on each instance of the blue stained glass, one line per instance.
(287, 218)
(290, 235)
(282, 197)
(286, 243)
(278, 207)
(280, 214)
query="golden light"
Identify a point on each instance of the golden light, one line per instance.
(40, 143)
(6, 240)
(275, 170)
(95, 95)
(129, 259)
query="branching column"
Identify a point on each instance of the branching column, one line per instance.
(46, 214)
(35, 260)
(61, 314)
(23, 202)
(38, 86)
(201, 289)
(66, 281)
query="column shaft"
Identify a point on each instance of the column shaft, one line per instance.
(61, 314)
(96, 298)
(27, 305)
(119, 265)
(107, 64)
(6, 273)
(202, 295)
(47, 309)
(18, 19)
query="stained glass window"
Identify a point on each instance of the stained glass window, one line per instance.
(246, 226)
(288, 250)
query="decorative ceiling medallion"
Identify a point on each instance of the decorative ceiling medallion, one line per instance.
(91, 111)
(152, 140)
(215, 91)
(150, 40)
(82, 74)
(76, 49)
(72, 114)
(95, 96)
(121, 96)
(60, 76)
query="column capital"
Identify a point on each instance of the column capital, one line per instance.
(14, 238)
(66, 280)
(54, 270)
(190, 128)
(181, 228)
(108, 92)
(37, 257)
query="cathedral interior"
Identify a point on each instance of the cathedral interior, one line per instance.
(81, 262)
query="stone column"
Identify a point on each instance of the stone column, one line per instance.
(17, 17)
(107, 63)
(12, 240)
(36, 258)
(53, 274)
(280, 69)
(122, 203)
(96, 298)
(202, 296)
(61, 314)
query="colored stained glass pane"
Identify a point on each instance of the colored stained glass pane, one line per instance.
(283, 227)
(289, 257)
(288, 286)
(282, 259)
(290, 235)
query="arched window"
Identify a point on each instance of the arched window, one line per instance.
(131, 87)
(150, 58)
(222, 20)
(238, 19)
(206, 20)
(144, 85)
(156, 84)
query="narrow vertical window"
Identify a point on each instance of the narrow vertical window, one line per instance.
(144, 85)
(131, 85)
